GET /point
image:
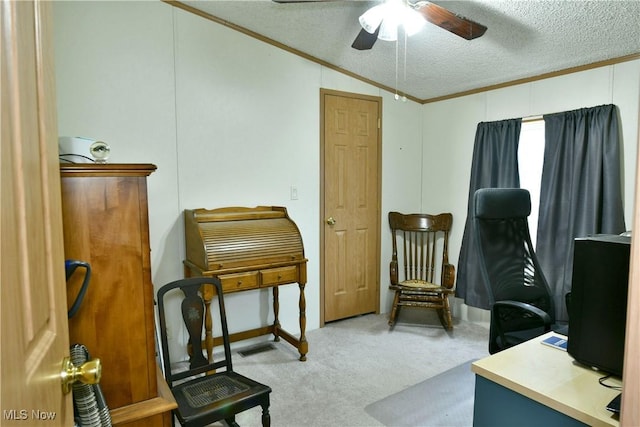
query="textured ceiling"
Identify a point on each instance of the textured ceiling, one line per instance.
(524, 39)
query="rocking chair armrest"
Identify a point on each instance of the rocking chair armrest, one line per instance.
(448, 275)
(543, 315)
(393, 272)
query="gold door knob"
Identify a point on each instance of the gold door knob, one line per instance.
(331, 221)
(88, 373)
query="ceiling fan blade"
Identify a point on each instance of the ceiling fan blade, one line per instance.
(300, 1)
(449, 21)
(365, 40)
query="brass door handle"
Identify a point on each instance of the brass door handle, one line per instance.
(89, 372)
(331, 221)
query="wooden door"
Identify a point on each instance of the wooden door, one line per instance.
(34, 311)
(351, 147)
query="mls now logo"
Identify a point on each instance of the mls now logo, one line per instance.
(23, 414)
(15, 414)
(37, 414)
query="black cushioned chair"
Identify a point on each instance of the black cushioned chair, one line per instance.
(206, 391)
(521, 303)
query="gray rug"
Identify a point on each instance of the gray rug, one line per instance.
(444, 400)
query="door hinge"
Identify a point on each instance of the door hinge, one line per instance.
(379, 123)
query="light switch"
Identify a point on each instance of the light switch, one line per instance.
(294, 192)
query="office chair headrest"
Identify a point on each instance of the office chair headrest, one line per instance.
(497, 203)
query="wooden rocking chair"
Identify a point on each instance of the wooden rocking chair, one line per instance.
(424, 243)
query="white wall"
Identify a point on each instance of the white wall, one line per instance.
(230, 120)
(449, 132)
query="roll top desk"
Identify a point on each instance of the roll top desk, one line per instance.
(247, 249)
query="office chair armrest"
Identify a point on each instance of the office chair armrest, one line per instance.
(507, 325)
(543, 315)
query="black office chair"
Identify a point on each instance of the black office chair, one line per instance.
(204, 397)
(521, 303)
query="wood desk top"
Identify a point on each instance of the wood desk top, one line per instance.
(551, 377)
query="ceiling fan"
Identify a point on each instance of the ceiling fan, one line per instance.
(382, 21)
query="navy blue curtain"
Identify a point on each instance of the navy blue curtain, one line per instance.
(495, 164)
(581, 190)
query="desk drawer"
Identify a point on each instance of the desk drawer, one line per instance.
(278, 276)
(239, 282)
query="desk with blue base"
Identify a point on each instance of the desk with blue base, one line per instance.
(533, 384)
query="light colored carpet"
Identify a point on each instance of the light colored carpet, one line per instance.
(444, 400)
(354, 363)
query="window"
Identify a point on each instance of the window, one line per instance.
(530, 159)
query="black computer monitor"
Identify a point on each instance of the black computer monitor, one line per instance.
(598, 308)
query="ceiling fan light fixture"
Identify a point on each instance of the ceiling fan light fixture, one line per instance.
(412, 21)
(388, 30)
(388, 16)
(372, 18)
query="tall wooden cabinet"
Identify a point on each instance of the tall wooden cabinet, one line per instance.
(105, 219)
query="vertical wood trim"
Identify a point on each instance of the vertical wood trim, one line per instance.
(147, 284)
(630, 415)
(322, 218)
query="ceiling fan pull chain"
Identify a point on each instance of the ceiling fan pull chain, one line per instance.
(404, 96)
(396, 95)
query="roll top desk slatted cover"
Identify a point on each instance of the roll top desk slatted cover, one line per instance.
(237, 239)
